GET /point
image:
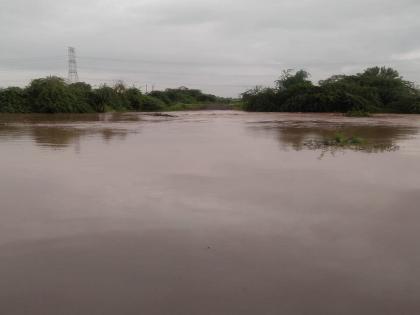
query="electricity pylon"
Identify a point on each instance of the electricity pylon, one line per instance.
(73, 77)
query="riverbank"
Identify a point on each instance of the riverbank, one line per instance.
(55, 95)
(375, 90)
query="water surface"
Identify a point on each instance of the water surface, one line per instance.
(208, 213)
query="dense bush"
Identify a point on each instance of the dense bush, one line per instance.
(82, 94)
(374, 90)
(13, 100)
(183, 95)
(149, 103)
(54, 95)
(51, 95)
(134, 99)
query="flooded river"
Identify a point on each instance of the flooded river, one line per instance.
(213, 212)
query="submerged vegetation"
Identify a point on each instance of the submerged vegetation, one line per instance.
(340, 142)
(374, 90)
(335, 136)
(54, 95)
(340, 139)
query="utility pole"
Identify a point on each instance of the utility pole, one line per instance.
(73, 77)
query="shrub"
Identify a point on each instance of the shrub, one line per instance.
(13, 100)
(149, 103)
(51, 95)
(374, 90)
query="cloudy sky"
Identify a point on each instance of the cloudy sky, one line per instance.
(220, 46)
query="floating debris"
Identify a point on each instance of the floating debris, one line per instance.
(160, 115)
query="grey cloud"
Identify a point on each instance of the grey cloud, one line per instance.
(223, 47)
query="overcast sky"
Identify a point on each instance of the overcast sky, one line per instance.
(220, 46)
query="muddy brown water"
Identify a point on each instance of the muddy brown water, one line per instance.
(208, 213)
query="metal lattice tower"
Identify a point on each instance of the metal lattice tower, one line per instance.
(73, 77)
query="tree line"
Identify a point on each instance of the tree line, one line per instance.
(377, 89)
(55, 95)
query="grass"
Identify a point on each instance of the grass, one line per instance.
(237, 105)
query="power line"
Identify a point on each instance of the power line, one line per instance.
(183, 73)
(146, 61)
(73, 69)
(169, 62)
(31, 58)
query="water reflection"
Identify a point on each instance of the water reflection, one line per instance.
(198, 215)
(64, 130)
(320, 135)
(57, 137)
(69, 118)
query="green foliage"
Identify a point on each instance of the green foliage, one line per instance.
(183, 95)
(237, 104)
(51, 95)
(151, 104)
(340, 139)
(374, 90)
(102, 98)
(161, 95)
(82, 94)
(134, 99)
(261, 100)
(13, 100)
(54, 95)
(288, 80)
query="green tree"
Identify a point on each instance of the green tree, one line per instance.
(102, 98)
(374, 90)
(13, 100)
(50, 95)
(82, 93)
(134, 98)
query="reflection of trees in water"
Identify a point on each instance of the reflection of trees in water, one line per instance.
(55, 137)
(332, 148)
(68, 118)
(109, 134)
(10, 132)
(59, 137)
(312, 135)
(62, 130)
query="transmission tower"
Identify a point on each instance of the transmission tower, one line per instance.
(73, 77)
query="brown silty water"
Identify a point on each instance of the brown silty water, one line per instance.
(210, 212)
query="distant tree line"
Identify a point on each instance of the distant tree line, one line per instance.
(374, 90)
(184, 95)
(55, 95)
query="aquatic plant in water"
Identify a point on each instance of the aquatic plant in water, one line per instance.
(340, 142)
